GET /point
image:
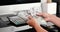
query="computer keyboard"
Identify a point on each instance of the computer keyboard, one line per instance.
(22, 16)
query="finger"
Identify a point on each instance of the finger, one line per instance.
(44, 15)
(27, 21)
(40, 14)
(46, 19)
(30, 17)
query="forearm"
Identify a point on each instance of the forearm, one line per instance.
(38, 28)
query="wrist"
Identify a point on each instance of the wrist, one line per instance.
(36, 24)
(39, 28)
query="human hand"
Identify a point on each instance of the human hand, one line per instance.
(31, 21)
(48, 17)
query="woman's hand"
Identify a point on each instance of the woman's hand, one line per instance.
(47, 17)
(31, 21)
(51, 18)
